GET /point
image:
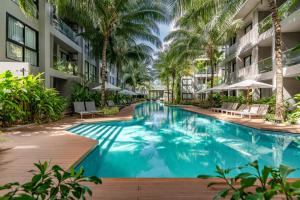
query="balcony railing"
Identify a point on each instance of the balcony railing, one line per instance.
(65, 29)
(248, 38)
(247, 71)
(291, 57)
(284, 11)
(265, 65)
(231, 49)
(66, 67)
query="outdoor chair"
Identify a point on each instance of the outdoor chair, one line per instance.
(233, 108)
(79, 108)
(242, 108)
(261, 112)
(224, 106)
(253, 110)
(91, 108)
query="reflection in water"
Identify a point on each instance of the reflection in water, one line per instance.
(169, 142)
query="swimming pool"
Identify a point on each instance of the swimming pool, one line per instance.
(170, 142)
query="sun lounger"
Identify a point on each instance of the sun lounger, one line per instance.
(252, 110)
(91, 108)
(233, 108)
(224, 106)
(242, 108)
(261, 112)
(79, 108)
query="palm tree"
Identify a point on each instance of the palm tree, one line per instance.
(279, 112)
(129, 20)
(136, 74)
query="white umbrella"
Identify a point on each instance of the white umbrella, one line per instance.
(203, 91)
(127, 92)
(108, 87)
(249, 84)
(221, 87)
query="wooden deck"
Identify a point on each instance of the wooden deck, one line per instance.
(254, 123)
(25, 146)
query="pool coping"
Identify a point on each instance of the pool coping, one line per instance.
(291, 129)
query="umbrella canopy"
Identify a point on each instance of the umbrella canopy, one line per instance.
(108, 87)
(127, 92)
(249, 84)
(219, 88)
(203, 91)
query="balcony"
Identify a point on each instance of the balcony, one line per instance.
(265, 65)
(66, 67)
(65, 29)
(247, 71)
(231, 50)
(284, 11)
(248, 40)
(291, 57)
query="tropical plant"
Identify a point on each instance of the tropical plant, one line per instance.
(25, 100)
(110, 110)
(54, 183)
(113, 19)
(263, 184)
(295, 115)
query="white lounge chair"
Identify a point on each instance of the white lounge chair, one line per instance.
(233, 108)
(242, 108)
(224, 106)
(79, 108)
(252, 111)
(91, 108)
(261, 112)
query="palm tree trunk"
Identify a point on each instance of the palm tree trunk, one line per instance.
(168, 89)
(173, 86)
(279, 112)
(212, 75)
(103, 73)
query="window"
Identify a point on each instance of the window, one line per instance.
(248, 28)
(21, 41)
(247, 61)
(233, 65)
(92, 73)
(187, 96)
(232, 41)
(64, 56)
(186, 82)
(87, 70)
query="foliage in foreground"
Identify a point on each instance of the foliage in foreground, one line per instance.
(110, 110)
(54, 183)
(25, 100)
(262, 184)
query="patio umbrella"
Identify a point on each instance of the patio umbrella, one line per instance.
(127, 92)
(108, 87)
(248, 85)
(221, 87)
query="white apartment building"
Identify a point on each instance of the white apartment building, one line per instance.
(46, 44)
(198, 81)
(250, 55)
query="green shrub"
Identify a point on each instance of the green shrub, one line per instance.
(270, 117)
(25, 100)
(83, 93)
(264, 184)
(295, 115)
(54, 183)
(110, 110)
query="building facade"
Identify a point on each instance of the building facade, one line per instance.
(46, 44)
(250, 54)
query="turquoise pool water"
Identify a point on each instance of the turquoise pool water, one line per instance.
(169, 142)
